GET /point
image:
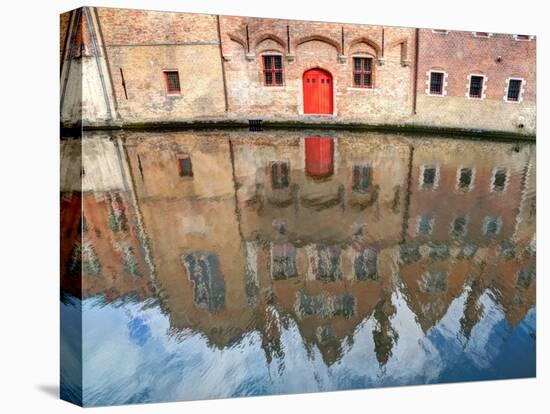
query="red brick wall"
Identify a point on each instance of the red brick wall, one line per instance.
(306, 45)
(461, 53)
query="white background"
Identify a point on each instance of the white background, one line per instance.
(29, 164)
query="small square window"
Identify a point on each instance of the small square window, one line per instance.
(172, 80)
(185, 168)
(476, 86)
(436, 83)
(499, 180)
(465, 179)
(514, 90)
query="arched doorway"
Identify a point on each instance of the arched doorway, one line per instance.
(317, 88)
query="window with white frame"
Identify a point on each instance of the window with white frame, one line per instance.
(424, 225)
(525, 38)
(476, 86)
(500, 179)
(492, 226)
(458, 226)
(484, 35)
(514, 90)
(436, 83)
(429, 177)
(465, 179)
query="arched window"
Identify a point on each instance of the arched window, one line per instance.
(363, 71)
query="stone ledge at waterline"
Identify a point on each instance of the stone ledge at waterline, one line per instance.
(409, 128)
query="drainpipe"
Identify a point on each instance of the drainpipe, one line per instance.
(415, 79)
(224, 79)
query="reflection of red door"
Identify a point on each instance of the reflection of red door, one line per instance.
(317, 92)
(319, 157)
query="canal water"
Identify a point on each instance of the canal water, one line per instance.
(224, 263)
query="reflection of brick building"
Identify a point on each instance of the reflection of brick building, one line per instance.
(235, 229)
(147, 66)
(101, 249)
(185, 194)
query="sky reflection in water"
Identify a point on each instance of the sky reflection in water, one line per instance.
(232, 263)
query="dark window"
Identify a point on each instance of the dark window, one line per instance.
(428, 177)
(361, 178)
(185, 168)
(328, 265)
(436, 83)
(459, 226)
(481, 34)
(523, 37)
(514, 88)
(172, 82)
(273, 70)
(362, 72)
(279, 174)
(476, 86)
(465, 179)
(440, 31)
(499, 180)
(283, 264)
(492, 226)
(434, 281)
(208, 283)
(366, 265)
(424, 225)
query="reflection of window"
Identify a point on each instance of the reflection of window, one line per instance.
(465, 178)
(185, 168)
(328, 264)
(361, 178)
(424, 225)
(525, 276)
(434, 281)
(499, 179)
(279, 174)
(362, 72)
(429, 177)
(491, 226)
(273, 70)
(283, 261)
(209, 286)
(172, 80)
(366, 265)
(458, 227)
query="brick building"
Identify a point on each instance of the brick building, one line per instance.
(135, 67)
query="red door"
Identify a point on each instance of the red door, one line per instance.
(319, 157)
(317, 92)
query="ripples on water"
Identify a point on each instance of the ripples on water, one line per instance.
(232, 263)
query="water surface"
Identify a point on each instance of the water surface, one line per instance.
(211, 264)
